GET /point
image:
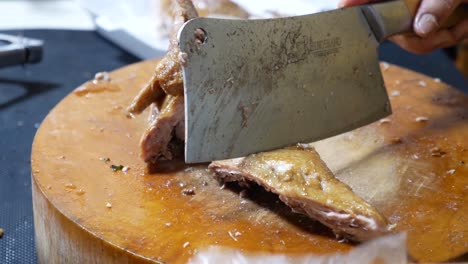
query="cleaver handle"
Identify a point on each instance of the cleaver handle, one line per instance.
(394, 17)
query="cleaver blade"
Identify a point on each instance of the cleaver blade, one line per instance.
(257, 85)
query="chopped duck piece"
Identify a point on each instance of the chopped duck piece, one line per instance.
(304, 183)
(165, 90)
(158, 140)
(167, 79)
(165, 93)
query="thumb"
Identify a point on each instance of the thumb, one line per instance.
(431, 14)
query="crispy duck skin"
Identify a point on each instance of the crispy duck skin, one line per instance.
(304, 182)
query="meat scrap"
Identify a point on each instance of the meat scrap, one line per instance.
(304, 183)
(165, 93)
(160, 139)
(213, 8)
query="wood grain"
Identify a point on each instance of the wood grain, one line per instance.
(415, 173)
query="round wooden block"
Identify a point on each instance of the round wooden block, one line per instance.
(411, 166)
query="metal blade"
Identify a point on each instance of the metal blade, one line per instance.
(258, 85)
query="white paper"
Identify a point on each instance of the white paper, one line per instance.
(126, 22)
(263, 8)
(44, 14)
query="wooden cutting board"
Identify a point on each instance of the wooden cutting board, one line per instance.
(415, 173)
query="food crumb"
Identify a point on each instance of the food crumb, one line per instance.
(70, 186)
(102, 76)
(390, 227)
(188, 191)
(451, 172)
(105, 159)
(422, 119)
(1, 232)
(80, 192)
(341, 238)
(186, 244)
(108, 205)
(422, 83)
(385, 66)
(415, 156)
(232, 236)
(168, 224)
(125, 169)
(395, 93)
(209, 233)
(116, 167)
(437, 152)
(385, 121)
(130, 115)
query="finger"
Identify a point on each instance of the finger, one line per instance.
(415, 44)
(431, 14)
(461, 30)
(344, 3)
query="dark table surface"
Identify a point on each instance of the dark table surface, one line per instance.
(28, 93)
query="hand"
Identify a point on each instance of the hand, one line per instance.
(429, 36)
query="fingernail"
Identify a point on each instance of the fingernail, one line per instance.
(426, 24)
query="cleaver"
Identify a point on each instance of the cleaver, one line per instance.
(258, 85)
